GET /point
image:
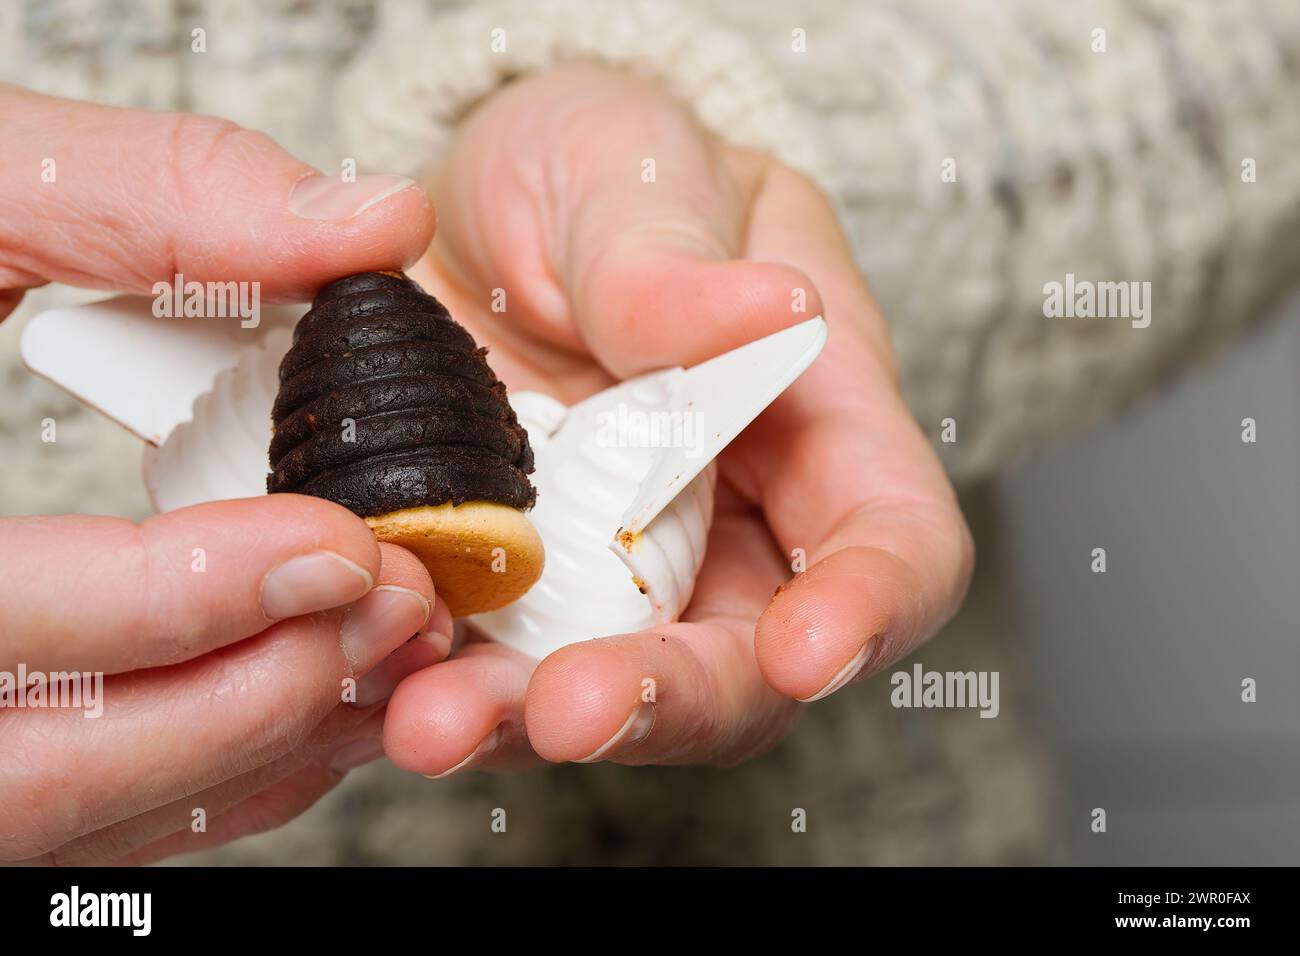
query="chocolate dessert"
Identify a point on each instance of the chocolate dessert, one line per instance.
(386, 403)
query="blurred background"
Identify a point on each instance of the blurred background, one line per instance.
(1138, 672)
(1121, 690)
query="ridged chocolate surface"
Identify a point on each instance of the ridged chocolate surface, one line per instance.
(433, 424)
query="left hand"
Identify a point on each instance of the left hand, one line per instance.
(608, 276)
(222, 691)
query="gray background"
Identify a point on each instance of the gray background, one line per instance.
(1137, 672)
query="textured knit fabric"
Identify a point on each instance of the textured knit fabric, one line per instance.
(1113, 156)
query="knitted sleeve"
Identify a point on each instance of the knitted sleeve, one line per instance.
(1057, 205)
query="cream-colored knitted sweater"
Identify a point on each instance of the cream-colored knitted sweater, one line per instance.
(1113, 156)
(977, 149)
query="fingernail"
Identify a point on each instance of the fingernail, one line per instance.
(331, 198)
(636, 728)
(356, 752)
(312, 582)
(440, 642)
(439, 629)
(846, 674)
(380, 683)
(481, 753)
(384, 618)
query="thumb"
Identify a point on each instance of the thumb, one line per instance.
(119, 199)
(654, 266)
(646, 302)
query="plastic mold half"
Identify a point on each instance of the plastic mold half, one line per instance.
(625, 478)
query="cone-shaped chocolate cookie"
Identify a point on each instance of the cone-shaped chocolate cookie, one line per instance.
(388, 407)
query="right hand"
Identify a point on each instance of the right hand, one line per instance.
(610, 275)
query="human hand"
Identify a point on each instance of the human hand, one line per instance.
(607, 276)
(229, 634)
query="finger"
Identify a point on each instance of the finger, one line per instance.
(351, 735)
(120, 199)
(688, 692)
(844, 474)
(260, 799)
(653, 269)
(637, 266)
(431, 646)
(261, 812)
(644, 303)
(167, 732)
(465, 714)
(103, 594)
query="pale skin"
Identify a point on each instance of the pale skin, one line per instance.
(605, 276)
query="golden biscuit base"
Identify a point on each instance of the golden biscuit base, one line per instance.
(481, 555)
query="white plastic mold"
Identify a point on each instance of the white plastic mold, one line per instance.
(625, 478)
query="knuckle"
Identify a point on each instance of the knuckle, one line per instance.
(198, 142)
(205, 156)
(163, 632)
